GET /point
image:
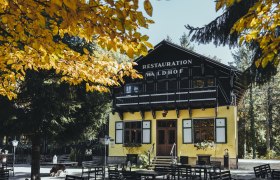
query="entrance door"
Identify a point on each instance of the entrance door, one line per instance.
(166, 136)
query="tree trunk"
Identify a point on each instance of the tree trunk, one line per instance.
(252, 118)
(35, 164)
(269, 120)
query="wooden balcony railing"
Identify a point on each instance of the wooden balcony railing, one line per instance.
(190, 95)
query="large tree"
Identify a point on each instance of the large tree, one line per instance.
(48, 108)
(56, 36)
(253, 22)
(258, 113)
(32, 33)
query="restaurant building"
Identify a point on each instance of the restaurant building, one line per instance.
(185, 106)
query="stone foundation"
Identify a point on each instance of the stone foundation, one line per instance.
(233, 164)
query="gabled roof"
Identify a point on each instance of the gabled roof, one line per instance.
(207, 59)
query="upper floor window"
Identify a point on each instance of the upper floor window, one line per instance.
(210, 82)
(132, 89)
(198, 83)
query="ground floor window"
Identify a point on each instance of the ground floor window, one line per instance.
(200, 130)
(203, 130)
(132, 132)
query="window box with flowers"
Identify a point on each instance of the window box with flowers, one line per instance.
(204, 145)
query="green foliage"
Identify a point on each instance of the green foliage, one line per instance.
(144, 159)
(73, 154)
(57, 110)
(242, 23)
(168, 38)
(185, 42)
(261, 105)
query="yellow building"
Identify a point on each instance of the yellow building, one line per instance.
(185, 107)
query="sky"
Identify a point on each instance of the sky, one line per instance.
(171, 16)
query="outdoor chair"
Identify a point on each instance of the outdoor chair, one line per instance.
(167, 169)
(8, 166)
(223, 175)
(88, 165)
(262, 171)
(198, 173)
(275, 174)
(130, 175)
(113, 167)
(215, 169)
(114, 174)
(4, 174)
(96, 172)
(184, 171)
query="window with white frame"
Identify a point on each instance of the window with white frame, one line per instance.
(146, 131)
(221, 135)
(119, 132)
(187, 131)
(132, 89)
(199, 130)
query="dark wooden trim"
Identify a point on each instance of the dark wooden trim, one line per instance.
(190, 112)
(120, 114)
(142, 113)
(216, 111)
(154, 114)
(177, 112)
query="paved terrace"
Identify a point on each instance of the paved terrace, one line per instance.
(245, 171)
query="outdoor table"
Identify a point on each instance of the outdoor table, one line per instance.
(96, 170)
(151, 173)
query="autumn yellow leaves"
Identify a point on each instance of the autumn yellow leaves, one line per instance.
(261, 25)
(29, 31)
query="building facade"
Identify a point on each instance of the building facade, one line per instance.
(185, 106)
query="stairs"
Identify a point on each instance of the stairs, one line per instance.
(161, 161)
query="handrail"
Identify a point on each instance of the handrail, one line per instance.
(150, 151)
(173, 153)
